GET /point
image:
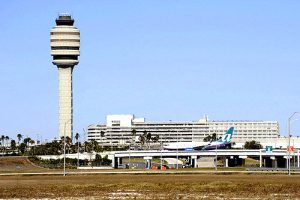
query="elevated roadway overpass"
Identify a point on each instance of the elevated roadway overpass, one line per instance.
(232, 157)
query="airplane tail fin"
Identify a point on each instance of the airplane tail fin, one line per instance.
(228, 135)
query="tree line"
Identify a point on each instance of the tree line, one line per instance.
(15, 148)
(28, 146)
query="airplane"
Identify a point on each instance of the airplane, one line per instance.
(187, 146)
(224, 142)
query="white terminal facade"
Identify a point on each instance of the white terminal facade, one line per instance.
(118, 130)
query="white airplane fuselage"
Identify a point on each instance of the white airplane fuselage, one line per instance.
(185, 145)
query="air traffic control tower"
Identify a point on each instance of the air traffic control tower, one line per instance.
(65, 43)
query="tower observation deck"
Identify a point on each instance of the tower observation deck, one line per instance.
(65, 43)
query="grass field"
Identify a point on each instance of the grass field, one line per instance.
(18, 164)
(163, 186)
(143, 186)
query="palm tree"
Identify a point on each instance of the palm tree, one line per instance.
(26, 141)
(2, 141)
(77, 136)
(94, 145)
(155, 138)
(2, 138)
(102, 133)
(86, 143)
(13, 146)
(6, 138)
(148, 139)
(102, 136)
(89, 147)
(68, 143)
(31, 142)
(62, 143)
(19, 136)
(133, 134)
(26, 144)
(142, 138)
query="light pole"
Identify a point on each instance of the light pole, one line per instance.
(78, 137)
(216, 164)
(161, 161)
(177, 152)
(129, 153)
(110, 142)
(294, 159)
(65, 146)
(78, 156)
(289, 137)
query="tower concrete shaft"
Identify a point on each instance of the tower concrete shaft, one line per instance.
(65, 43)
(65, 101)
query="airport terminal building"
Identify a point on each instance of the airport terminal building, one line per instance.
(118, 130)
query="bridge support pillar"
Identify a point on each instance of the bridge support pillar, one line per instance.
(274, 161)
(194, 161)
(268, 162)
(287, 161)
(298, 161)
(281, 162)
(113, 161)
(232, 161)
(120, 161)
(226, 162)
(260, 159)
(116, 162)
(148, 162)
(241, 160)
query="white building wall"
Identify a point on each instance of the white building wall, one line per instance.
(118, 130)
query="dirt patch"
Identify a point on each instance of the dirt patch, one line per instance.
(16, 163)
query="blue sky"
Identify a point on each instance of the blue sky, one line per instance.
(163, 60)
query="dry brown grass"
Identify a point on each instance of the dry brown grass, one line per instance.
(163, 186)
(17, 164)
